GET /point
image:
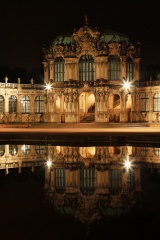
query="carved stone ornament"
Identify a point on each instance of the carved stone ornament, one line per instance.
(58, 49)
(114, 48)
(86, 39)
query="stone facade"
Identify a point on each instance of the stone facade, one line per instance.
(84, 81)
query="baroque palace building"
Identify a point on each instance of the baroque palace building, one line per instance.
(90, 75)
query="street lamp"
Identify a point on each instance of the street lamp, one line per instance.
(48, 86)
(126, 85)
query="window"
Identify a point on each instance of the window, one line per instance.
(1, 104)
(144, 151)
(60, 180)
(144, 103)
(130, 180)
(113, 68)
(25, 103)
(157, 151)
(87, 181)
(13, 150)
(12, 104)
(129, 69)
(86, 68)
(115, 181)
(40, 149)
(2, 150)
(26, 149)
(156, 102)
(59, 69)
(39, 104)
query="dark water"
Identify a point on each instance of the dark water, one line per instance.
(26, 213)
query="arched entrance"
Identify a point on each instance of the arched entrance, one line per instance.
(114, 106)
(87, 107)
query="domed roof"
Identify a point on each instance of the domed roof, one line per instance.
(109, 36)
(106, 35)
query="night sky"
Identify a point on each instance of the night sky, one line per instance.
(27, 25)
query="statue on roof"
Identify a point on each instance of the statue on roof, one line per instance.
(86, 20)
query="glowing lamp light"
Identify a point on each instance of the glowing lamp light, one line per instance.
(126, 85)
(127, 164)
(48, 86)
(49, 164)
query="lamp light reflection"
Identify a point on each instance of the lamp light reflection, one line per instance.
(48, 87)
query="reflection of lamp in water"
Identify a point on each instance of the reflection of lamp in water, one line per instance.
(127, 164)
(48, 86)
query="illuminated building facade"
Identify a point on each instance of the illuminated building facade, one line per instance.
(90, 75)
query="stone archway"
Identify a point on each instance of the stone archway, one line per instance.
(114, 105)
(87, 107)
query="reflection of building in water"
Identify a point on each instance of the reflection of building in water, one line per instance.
(91, 186)
(86, 78)
(19, 156)
(87, 182)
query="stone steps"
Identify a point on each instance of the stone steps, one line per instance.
(87, 118)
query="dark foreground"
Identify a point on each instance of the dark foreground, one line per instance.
(25, 215)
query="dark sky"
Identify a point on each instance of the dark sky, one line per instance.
(27, 25)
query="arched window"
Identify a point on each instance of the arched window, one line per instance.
(60, 185)
(13, 149)
(157, 151)
(12, 104)
(59, 69)
(25, 104)
(144, 103)
(39, 104)
(86, 68)
(26, 149)
(1, 104)
(113, 68)
(87, 181)
(129, 69)
(156, 102)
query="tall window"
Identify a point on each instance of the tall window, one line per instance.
(40, 149)
(39, 104)
(2, 150)
(13, 149)
(144, 104)
(144, 151)
(115, 181)
(87, 181)
(1, 104)
(156, 102)
(113, 67)
(86, 68)
(60, 180)
(12, 104)
(25, 104)
(59, 69)
(130, 179)
(26, 149)
(129, 69)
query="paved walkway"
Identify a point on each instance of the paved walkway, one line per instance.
(72, 125)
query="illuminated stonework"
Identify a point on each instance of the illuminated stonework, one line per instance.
(85, 76)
